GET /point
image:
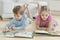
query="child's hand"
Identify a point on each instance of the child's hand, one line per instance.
(11, 27)
(41, 28)
(44, 28)
(5, 31)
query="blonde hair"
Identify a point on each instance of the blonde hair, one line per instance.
(44, 8)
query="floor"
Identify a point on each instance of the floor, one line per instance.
(57, 18)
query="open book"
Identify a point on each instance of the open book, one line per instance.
(24, 34)
(57, 33)
(41, 31)
(20, 34)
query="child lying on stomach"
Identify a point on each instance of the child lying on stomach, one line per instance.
(19, 21)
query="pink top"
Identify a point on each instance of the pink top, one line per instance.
(44, 22)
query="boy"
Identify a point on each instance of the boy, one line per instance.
(19, 21)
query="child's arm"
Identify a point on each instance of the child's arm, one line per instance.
(8, 26)
(21, 27)
(50, 26)
(23, 24)
(38, 24)
(11, 27)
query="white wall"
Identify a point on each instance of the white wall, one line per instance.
(1, 7)
(8, 6)
(53, 4)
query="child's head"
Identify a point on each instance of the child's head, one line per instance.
(18, 12)
(44, 13)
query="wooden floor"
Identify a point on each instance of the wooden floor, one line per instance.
(57, 18)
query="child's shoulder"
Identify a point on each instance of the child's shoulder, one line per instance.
(50, 18)
(38, 17)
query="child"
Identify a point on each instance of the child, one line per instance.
(44, 20)
(20, 20)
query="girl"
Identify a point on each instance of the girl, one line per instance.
(44, 20)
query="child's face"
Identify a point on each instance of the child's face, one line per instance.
(18, 17)
(44, 15)
(19, 14)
